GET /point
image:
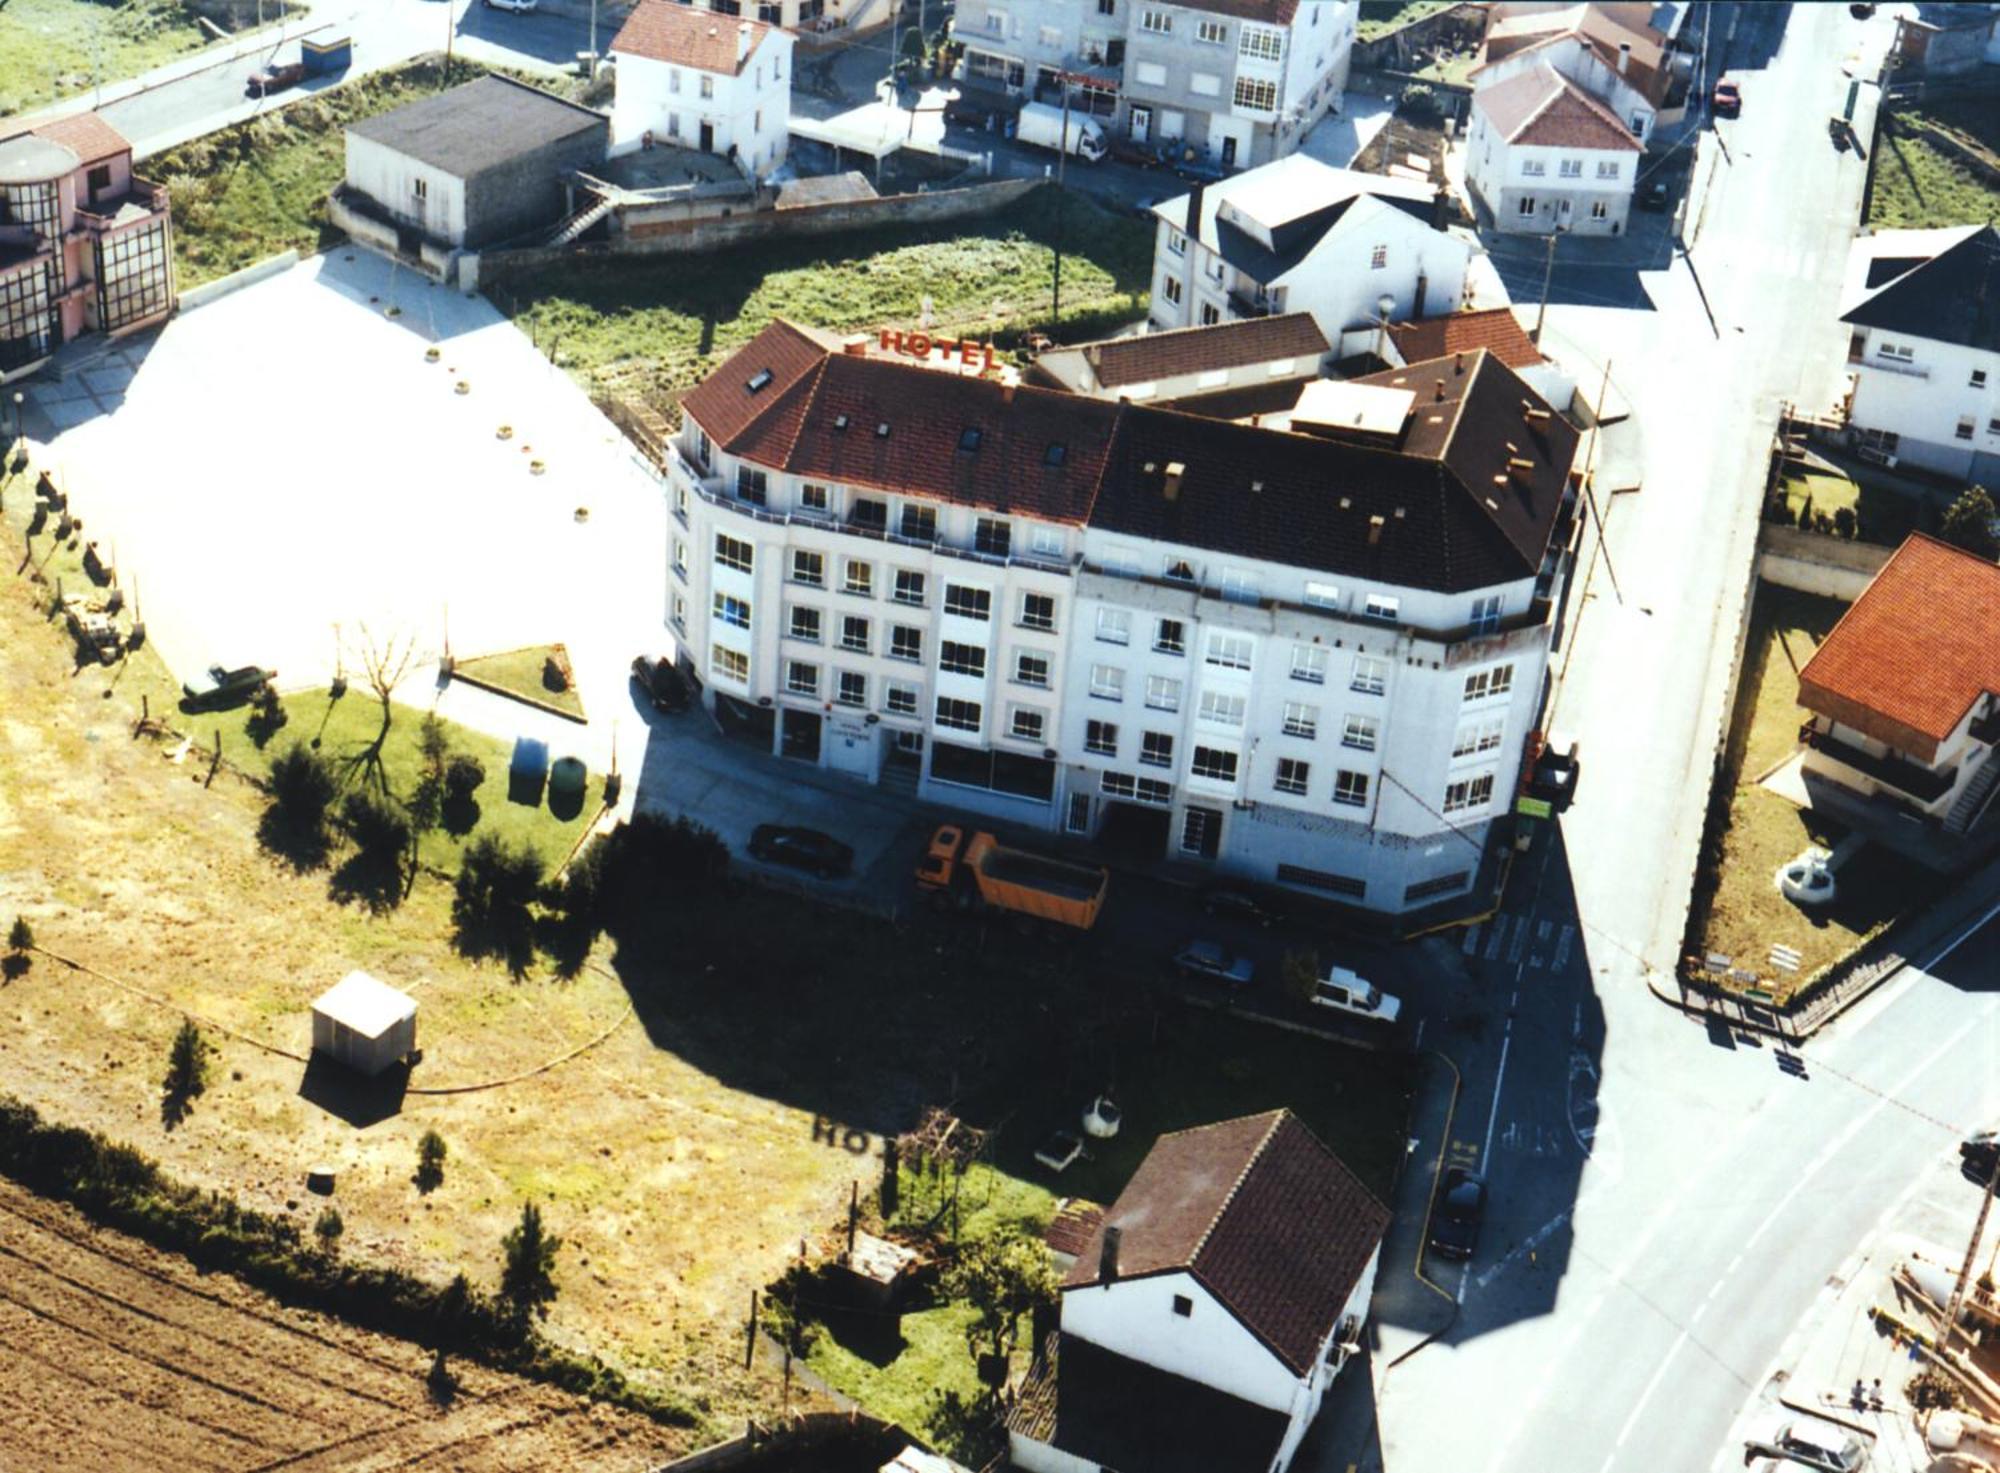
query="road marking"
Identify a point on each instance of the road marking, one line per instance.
(1827, 1153)
(1472, 938)
(1562, 946)
(1542, 930)
(1520, 941)
(1498, 939)
(1417, 1041)
(1493, 1115)
(1527, 1245)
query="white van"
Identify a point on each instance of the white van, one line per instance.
(1343, 989)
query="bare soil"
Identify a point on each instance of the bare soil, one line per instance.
(118, 1356)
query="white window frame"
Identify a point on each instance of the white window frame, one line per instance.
(1107, 683)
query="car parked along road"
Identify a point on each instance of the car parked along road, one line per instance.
(806, 849)
(1208, 962)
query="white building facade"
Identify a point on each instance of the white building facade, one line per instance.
(1044, 657)
(711, 82)
(1543, 156)
(1298, 236)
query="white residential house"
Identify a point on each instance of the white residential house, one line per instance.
(1924, 349)
(1211, 1309)
(1299, 236)
(703, 80)
(1625, 67)
(1310, 656)
(1542, 156)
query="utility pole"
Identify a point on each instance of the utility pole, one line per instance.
(593, 40)
(1062, 161)
(1548, 274)
(1951, 1312)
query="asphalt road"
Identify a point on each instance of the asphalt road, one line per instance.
(1665, 1204)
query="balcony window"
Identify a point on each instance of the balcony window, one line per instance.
(1260, 43)
(804, 624)
(920, 523)
(967, 602)
(1350, 789)
(868, 514)
(909, 588)
(1101, 737)
(1293, 776)
(1222, 708)
(1256, 94)
(1483, 684)
(905, 642)
(1038, 611)
(1301, 720)
(961, 659)
(731, 552)
(993, 537)
(732, 611)
(809, 568)
(1218, 764)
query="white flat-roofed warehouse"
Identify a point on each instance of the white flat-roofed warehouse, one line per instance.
(365, 1024)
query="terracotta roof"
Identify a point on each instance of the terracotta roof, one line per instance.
(662, 30)
(1265, 1218)
(1114, 1412)
(1496, 329)
(86, 135)
(1152, 356)
(1954, 297)
(1266, 12)
(1069, 1231)
(1916, 651)
(1543, 107)
(1645, 67)
(724, 404)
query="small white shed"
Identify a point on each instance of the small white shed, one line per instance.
(365, 1024)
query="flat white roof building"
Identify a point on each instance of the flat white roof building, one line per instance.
(364, 1023)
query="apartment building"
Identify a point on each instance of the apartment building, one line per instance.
(85, 244)
(1309, 656)
(1232, 83)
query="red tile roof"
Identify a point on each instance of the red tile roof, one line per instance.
(1645, 67)
(1148, 357)
(1069, 1231)
(724, 404)
(1916, 651)
(1264, 1216)
(1544, 108)
(86, 135)
(1496, 329)
(662, 30)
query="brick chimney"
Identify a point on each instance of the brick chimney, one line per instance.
(1107, 1255)
(1624, 56)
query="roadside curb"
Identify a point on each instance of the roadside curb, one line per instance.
(1423, 1234)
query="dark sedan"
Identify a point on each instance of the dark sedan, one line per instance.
(806, 849)
(1461, 1206)
(221, 687)
(664, 684)
(1239, 905)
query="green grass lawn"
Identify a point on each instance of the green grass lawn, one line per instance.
(521, 671)
(1747, 915)
(658, 325)
(906, 1380)
(1918, 183)
(1883, 516)
(53, 49)
(1379, 17)
(258, 188)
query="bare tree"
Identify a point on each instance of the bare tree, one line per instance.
(384, 666)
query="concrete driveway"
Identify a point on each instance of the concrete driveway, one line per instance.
(279, 468)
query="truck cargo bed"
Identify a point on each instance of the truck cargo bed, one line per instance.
(1017, 867)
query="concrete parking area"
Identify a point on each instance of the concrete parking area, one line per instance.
(283, 475)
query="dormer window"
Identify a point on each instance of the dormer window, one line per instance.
(759, 380)
(840, 422)
(1055, 455)
(969, 438)
(882, 430)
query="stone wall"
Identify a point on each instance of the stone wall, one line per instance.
(1813, 562)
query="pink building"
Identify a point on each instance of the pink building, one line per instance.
(85, 245)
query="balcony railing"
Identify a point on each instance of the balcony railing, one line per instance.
(1925, 784)
(1897, 365)
(143, 199)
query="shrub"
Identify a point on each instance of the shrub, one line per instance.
(187, 1073)
(527, 1273)
(1968, 523)
(430, 1160)
(21, 936)
(302, 788)
(1843, 521)
(327, 1229)
(1418, 101)
(497, 886)
(463, 776)
(375, 825)
(1300, 971)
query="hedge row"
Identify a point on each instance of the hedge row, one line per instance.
(122, 1188)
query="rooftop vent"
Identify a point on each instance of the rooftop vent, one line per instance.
(882, 430)
(1107, 1255)
(1375, 525)
(1399, 514)
(761, 379)
(1346, 502)
(1055, 455)
(840, 421)
(1458, 362)
(969, 438)
(855, 345)
(1256, 485)
(1171, 486)
(1437, 392)
(1521, 466)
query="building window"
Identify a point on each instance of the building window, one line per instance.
(133, 276)
(909, 588)
(1183, 1306)
(1378, 258)
(729, 664)
(996, 22)
(1380, 606)
(961, 659)
(1526, 206)
(1163, 693)
(1260, 43)
(1322, 595)
(704, 448)
(1477, 736)
(1031, 669)
(804, 624)
(1293, 776)
(802, 679)
(1038, 611)
(1256, 94)
(680, 615)
(1048, 541)
(1176, 243)
(1599, 210)
(1107, 7)
(968, 603)
(1494, 682)
(1170, 637)
(1965, 427)
(1468, 793)
(1027, 723)
(1114, 626)
(993, 537)
(1107, 682)
(681, 558)
(1608, 168)
(1221, 708)
(1239, 586)
(920, 523)
(869, 514)
(1309, 663)
(732, 611)
(1215, 763)
(859, 578)
(1101, 737)
(1350, 788)
(1571, 169)
(1533, 168)
(900, 700)
(1170, 288)
(1900, 353)
(1179, 569)
(958, 715)
(1301, 720)
(809, 568)
(1371, 675)
(854, 633)
(1211, 33)
(1359, 733)
(1486, 614)
(673, 79)
(1978, 380)
(1229, 651)
(1319, 879)
(752, 484)
(1156, 22)
(732, 553)
(905, 642)
(1209, 314)
(851, 688)
(1156, 749)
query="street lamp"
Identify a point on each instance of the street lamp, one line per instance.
(1548, 272)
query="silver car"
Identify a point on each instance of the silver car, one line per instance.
(1213, 963)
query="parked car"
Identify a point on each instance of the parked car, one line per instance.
(275, 77)
(1239, 905)
(1978, 1154)
(806, 849)
(1212, 963)
(519, 7)
(1655, 195)
(664, 684)
(1457, 1214)
(1728, 99)
(220, 687)
(1808, 1442)
(1342, 989)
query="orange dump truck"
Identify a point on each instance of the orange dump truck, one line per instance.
(977, 869)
